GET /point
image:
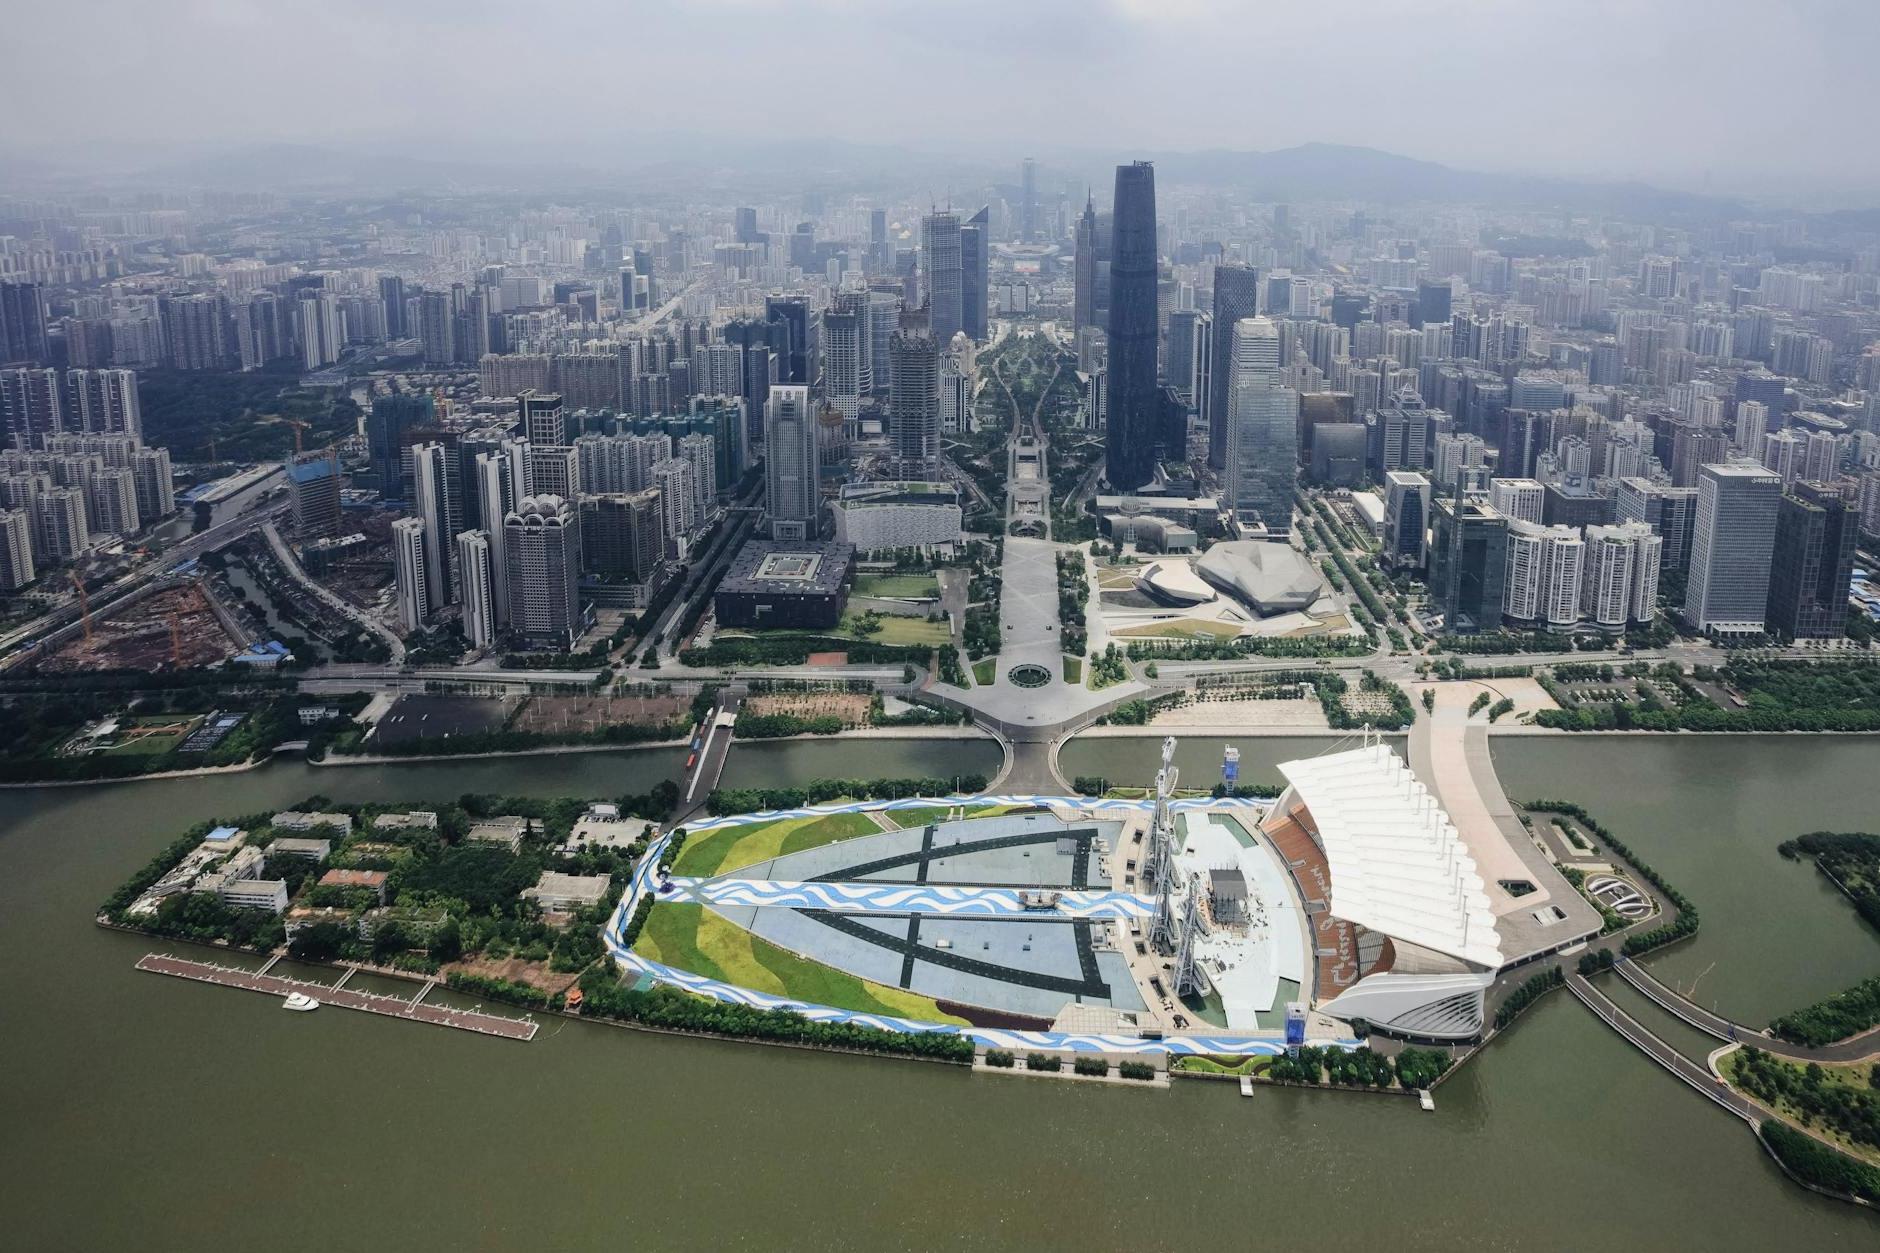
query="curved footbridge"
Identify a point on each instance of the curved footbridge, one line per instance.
(1857, 1048)
(1684, 1068)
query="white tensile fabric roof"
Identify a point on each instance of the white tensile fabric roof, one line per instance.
(1398, 865)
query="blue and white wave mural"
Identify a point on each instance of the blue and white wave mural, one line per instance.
(951, 900)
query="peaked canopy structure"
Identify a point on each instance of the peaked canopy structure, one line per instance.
(1397, 864)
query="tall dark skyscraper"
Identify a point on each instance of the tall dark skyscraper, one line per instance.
(392, 295)
(975, 243)
(1814, 563)
(22, 323)
(1236, 296)
(1134, 399)
(793, 337)
(392, 415)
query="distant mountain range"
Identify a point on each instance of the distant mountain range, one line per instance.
(1307, 172)
(1338, 172)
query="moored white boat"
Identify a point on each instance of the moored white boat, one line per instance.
(300, 1002)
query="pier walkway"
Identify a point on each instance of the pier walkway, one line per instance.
(345, 998)
(1853, 1049)
(1677, 1063)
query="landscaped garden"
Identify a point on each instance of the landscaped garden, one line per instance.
(693, 938)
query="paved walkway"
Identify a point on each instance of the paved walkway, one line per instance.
(889, 898)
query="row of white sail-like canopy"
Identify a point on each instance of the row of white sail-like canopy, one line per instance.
(1398, 865)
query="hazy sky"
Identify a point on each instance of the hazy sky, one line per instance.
(1672, 91)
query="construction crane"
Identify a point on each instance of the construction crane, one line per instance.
(84, 606)
(298, 426)
(176, 639)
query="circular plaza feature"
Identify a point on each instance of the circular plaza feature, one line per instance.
(1029, 675)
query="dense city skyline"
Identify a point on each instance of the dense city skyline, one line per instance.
(1046, 539)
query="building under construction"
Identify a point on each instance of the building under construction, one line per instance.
(175, 627)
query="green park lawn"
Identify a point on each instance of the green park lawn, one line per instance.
(734, 848)
(898, 586)
(692, 937)
(1073, 669)
(895, 630)
(985, 670)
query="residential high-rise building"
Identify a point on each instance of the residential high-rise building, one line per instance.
(942, 273)
(914, 401)
(676, 482)
(61, 525)
(1541, 586)
(195, 329)
(156, 488)
(1783, 453)
(410, 571)
(1733, 542)
(320, 326)
(258, 337)
(479, 588)
(31, 406)
(792, 459)
(102, 402)
(1622, 569)
(700, 451)
(314, 480)
(16, 549)
(975, 282)
(542, 549)
(111, 501)
(434, 502)
(1812, 563)
(1262, 469)
(1134, 422)
(503, 477)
